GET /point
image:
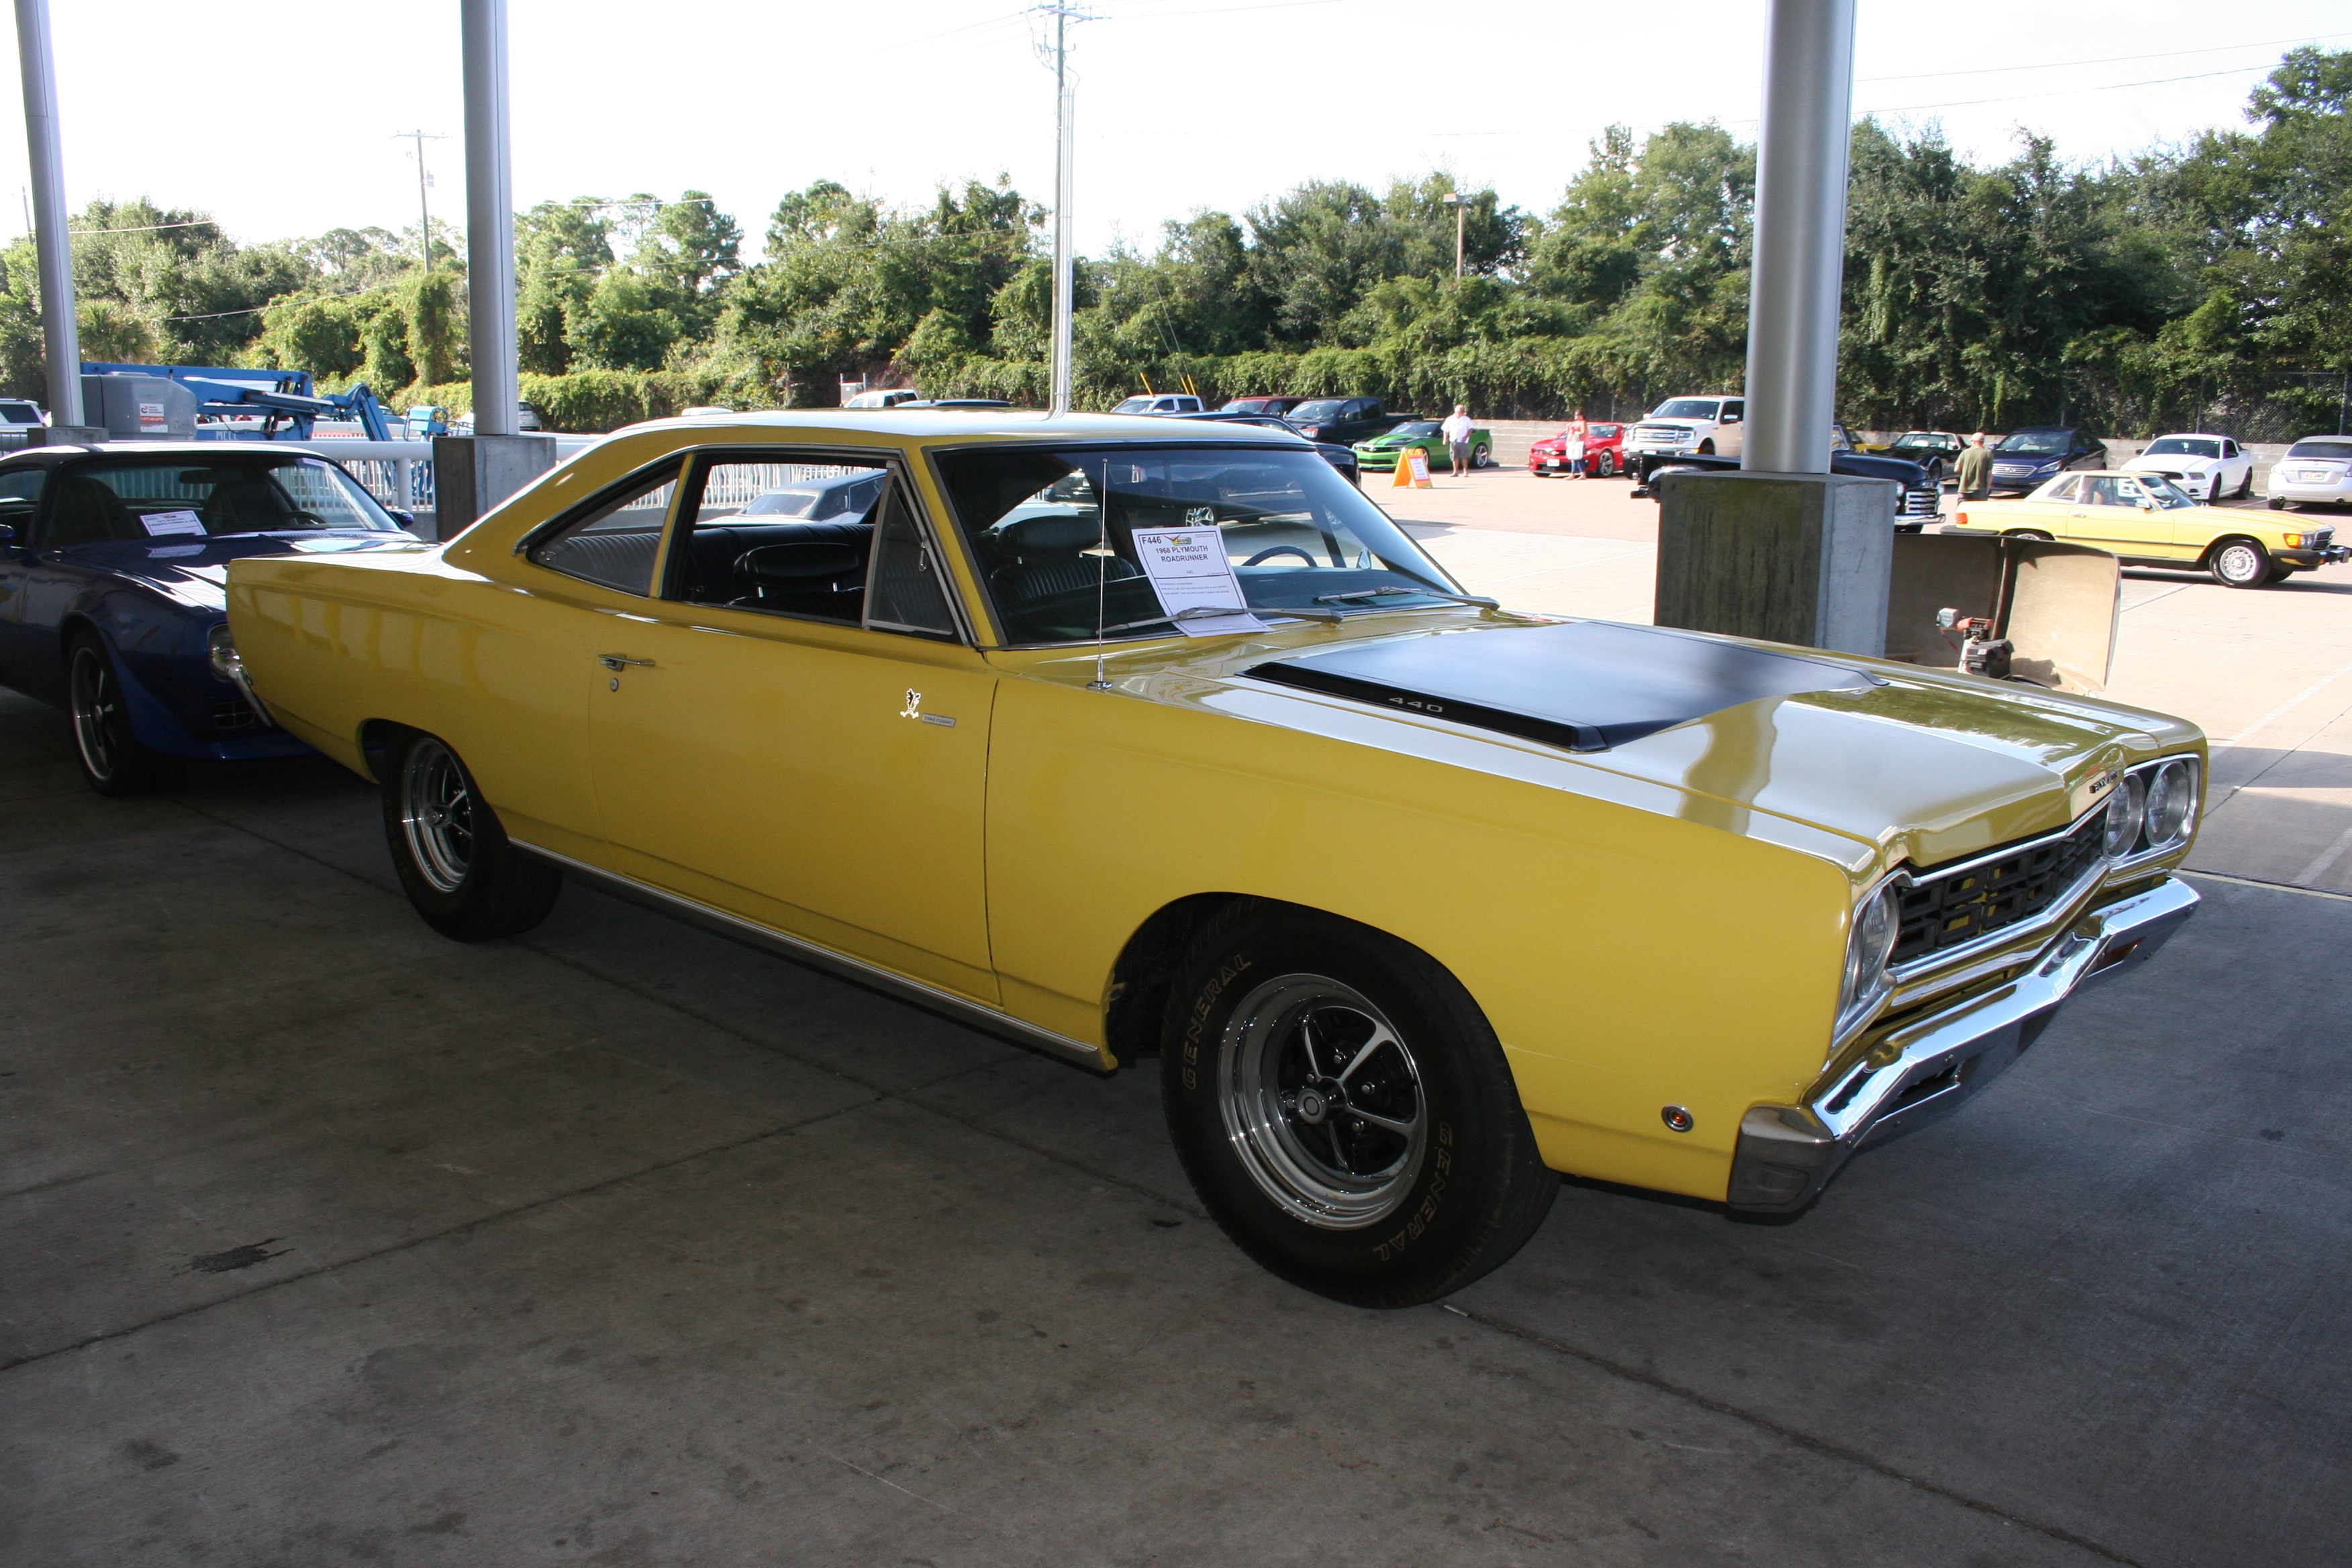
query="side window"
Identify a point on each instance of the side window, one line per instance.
(20, 491)
(909, 589)
(820, 540)
(614, 541)
(1735, 411)
(2066, 489)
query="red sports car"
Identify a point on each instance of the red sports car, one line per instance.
(1604, 452)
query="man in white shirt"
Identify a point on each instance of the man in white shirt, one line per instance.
(1456, 429)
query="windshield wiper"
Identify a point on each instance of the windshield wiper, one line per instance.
(1361, 595)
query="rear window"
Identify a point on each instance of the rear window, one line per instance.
(165, 497)
(2181, 446)
(2341, 451)
(20, 413)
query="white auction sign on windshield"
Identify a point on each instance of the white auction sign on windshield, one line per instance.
(1189, 569)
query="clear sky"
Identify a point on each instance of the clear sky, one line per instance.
(280, 119)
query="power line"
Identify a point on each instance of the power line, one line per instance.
(2107, 59)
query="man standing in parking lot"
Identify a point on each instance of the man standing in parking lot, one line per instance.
(1457, 429)
(1973, 469)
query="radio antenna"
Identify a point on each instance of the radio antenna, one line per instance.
(1102, 552)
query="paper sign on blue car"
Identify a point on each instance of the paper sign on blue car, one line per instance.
(163, 525)
(1190, 571)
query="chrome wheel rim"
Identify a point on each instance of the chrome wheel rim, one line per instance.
(1322, 1101)
(97, 702)
(2239, 563)
(436, 813)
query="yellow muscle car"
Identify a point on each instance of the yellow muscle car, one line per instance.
(2148, 521)
(1127, 741)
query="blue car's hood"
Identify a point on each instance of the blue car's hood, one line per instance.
(195, 571)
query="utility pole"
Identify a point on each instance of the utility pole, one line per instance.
(423, 213)
(1454, 199)
(1066, 142)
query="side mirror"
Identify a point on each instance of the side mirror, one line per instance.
(7, 533)
(2145, 504)
(405, 518)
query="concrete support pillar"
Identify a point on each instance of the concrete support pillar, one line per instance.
(472, 474)
(1786, 558)
(1785, 551)
(60, 335)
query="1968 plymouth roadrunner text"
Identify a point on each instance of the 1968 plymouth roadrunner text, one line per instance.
(1416, 901)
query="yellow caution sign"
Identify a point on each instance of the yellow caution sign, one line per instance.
(1413, 468)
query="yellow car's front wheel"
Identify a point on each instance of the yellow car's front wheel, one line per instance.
(1343, 1109)
(2239, 563)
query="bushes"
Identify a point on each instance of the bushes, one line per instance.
(591, 402)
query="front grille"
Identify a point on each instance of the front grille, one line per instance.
(1942, 912)
(233, 713)
(1925, 501)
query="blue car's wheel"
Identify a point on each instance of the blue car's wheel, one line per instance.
(112, 758)
(454, 859)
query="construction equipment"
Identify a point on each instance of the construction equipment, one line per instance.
(286, 402)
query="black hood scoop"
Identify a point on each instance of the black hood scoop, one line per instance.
(1586, 686)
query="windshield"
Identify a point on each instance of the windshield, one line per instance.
(2181, 446)
(1416, 427)
(1134, 405)
(2340, 451)
(1295, 532)
(1918, 441)
(1317, 411)
(2035, 444)
(1687, 408)
(163, 497)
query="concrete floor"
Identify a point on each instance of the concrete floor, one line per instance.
(331, 1241)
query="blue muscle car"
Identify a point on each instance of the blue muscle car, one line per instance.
(112, 564)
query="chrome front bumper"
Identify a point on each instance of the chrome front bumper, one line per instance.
(1925, 1069)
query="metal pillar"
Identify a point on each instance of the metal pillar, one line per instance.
(490, 219)
(60, 335)
(1785, 551)
(1800, 175)
(472, 474)
(1066, 142)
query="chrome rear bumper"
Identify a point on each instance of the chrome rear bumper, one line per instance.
(1925, 1069)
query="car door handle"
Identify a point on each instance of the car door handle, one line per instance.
(614, 662)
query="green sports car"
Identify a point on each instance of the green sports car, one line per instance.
(1382, 451)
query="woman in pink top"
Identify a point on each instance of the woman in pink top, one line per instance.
(1571, 446)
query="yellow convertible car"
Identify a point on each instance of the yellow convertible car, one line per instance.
(2148, 521)
(1129, 741)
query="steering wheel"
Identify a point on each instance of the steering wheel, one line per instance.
(1272, 551)
(308, 519)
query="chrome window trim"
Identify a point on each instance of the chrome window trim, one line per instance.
(978, 1015)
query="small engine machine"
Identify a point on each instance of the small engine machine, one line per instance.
(1981, 653)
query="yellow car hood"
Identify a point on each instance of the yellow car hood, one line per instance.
(1885, 761)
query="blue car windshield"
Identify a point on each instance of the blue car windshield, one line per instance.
(175, 496)
(2035, 444)
(1297, 534)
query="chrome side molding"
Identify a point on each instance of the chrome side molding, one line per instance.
(857, 970)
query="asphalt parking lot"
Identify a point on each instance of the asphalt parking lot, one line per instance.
(331, 1241)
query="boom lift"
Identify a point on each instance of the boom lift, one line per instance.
(277, 395)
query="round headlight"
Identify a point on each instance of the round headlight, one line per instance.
(2124, 813)
(2171, 799)
(1869, 945)
(220, 652)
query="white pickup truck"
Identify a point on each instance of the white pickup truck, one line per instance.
(1686, 425)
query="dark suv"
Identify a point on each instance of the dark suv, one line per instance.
(1344, 420)
(2026, 459)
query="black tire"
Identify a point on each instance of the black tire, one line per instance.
(1706, 448)
(2214, 496)
(1606, 465)
(2278, 503)
(114, 761)
(2239, 563)
(1482, 456)
(453, 861)
(1271, 1138)
(2246, 485)
(2033, 533)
